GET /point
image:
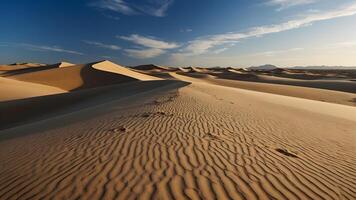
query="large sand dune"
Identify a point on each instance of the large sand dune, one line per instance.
(201, 141)
(83, 76)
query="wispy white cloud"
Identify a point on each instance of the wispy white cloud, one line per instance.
(204, 44)
(276, 52)
(144, 53)
(149, 46)
(149, 42)
(115, 5)
(49, 48)
(284, 4)
(157, 8)
(101, 45)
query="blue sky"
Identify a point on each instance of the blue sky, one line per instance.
(180, 32)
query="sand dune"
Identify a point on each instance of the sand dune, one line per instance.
(83, 76)
(13, 89)
(169, 140)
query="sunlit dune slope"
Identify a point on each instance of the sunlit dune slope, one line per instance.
(14, 89)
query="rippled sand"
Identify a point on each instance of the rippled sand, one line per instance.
(200, 141)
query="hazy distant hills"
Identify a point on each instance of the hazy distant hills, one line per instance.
(263, 67)
(269, 67)
(323, 67)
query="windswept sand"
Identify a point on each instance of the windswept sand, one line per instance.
(201, 141)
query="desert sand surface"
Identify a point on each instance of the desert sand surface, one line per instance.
(189, 137)
(332, 96)
(341, 91)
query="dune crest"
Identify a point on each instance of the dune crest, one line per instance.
(109, 66)
(64, 64)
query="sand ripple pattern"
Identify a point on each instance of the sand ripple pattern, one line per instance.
(195, 143)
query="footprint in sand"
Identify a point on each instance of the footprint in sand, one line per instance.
(160, 113)
(120, 129)
(211, 136)
(286, 152)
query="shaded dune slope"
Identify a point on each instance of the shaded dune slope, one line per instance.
(33, 109)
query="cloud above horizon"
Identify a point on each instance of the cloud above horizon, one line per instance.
(49, 48)
(204, 44)
(156, 8)
(101, 45)
(284, 4)
(149, 46)
(144, 53)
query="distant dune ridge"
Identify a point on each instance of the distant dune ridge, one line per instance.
(153, 67)
(264, 67)
(104, 131)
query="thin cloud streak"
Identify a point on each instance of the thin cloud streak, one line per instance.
(202, 45)
(156, 8)
(49, 48)
(149, 42)
(276, 52)
(101, 45)
(284, 4)
(115, 5)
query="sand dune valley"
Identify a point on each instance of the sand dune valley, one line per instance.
(105, 131)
